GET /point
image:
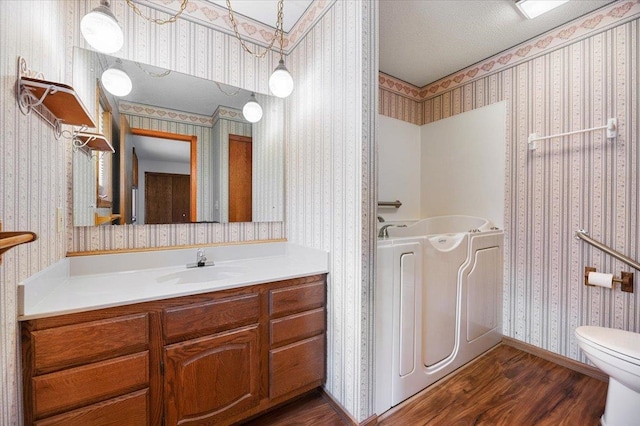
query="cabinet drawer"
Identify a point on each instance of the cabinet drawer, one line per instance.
(131, 410)
(68, 389)
(76, 344)
(294, 366)
(211, 317)
(295, 299)
(296, 327)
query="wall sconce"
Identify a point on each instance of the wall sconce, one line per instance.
(534, 8)
(252, 110)
(280, 82)
(116, 81)
(101, 30)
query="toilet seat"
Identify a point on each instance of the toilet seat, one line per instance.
(621, 344)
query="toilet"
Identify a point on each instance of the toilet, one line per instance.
(617, 353)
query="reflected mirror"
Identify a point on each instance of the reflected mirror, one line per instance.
(183, 150)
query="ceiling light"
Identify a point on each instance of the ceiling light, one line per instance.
(252, 110)
(281, 82)
(116, 81)
(101, 30)
(533, 8)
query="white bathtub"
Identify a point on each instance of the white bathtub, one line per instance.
(438, 302)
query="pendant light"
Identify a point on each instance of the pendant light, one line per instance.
(116, 81)
(280, 82)
(252, 110)
(101, 30)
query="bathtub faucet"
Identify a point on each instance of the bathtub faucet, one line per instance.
(383, 233)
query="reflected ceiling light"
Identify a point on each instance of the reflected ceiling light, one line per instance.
(116, 81)
(280, 82)
(252, 110)
(533, 8)
(101, 30)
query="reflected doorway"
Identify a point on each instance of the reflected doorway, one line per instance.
(240, 178)
(168, 176)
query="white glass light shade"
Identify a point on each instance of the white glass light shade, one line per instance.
(533, 8)
(116, 81)
(252, 110)
(281, 82)
(101, 30)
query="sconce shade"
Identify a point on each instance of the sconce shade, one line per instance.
(252, 110)
(281, 82)
(101, 30)
(116, 81)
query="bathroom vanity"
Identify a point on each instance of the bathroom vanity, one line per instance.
(212, 357)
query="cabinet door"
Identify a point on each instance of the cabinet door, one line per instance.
(212, 378)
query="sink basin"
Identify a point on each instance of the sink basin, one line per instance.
(202, 275)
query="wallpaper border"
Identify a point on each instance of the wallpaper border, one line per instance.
(600, 20)
(214, 16)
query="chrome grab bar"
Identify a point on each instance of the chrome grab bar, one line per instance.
(584, 235)
(395, 204)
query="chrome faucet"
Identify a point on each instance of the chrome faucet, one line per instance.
(380, 219)
(384, 233)
(201, 260)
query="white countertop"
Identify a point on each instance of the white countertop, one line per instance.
(94, 282)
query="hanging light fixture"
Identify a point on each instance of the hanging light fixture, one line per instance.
(101, 30)
(280, 82)
(116, 81)
(252, 110)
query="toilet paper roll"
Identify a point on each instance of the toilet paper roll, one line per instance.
(600, 279)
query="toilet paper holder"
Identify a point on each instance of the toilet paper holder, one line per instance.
(625, 280)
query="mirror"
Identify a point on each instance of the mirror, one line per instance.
(183, 150)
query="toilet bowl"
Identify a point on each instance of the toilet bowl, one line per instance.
(617, 353)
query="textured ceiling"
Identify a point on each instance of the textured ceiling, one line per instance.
(422, 41)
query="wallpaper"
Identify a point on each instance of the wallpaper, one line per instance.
(331, 183)
(33, 181)
(582, 181)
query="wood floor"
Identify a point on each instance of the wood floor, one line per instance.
(506, 386)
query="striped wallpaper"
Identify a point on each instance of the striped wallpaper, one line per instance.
(582, 181)
(331, 183)
(33, 166)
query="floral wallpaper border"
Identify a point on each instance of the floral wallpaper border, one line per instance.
(214, 16)
(599, 20)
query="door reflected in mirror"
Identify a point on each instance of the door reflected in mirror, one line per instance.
(184, 152)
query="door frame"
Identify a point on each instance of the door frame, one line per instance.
(193, 161)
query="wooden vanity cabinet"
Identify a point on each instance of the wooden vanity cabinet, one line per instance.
(297, 327)
(80, 371)
(211, 378)
(214, 358)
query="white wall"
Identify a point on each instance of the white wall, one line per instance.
(399, 168)
(463, 164)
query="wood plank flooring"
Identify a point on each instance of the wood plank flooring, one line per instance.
(506, 386)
